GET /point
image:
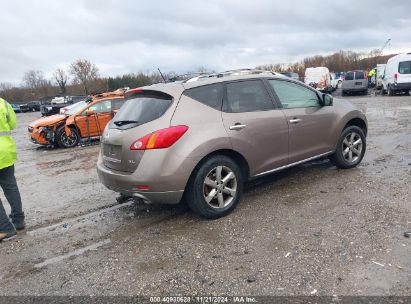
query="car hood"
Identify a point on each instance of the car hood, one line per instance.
(48, 121)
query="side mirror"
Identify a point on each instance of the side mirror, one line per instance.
(327, 100)
(89, 112)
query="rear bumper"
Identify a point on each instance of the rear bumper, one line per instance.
(406, 86)
(165, 182)
(114, 180)
(359, 89)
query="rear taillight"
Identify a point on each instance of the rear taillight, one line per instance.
(159, 139)
(395, 77)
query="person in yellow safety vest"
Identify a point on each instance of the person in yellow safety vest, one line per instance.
(371, 74)
(8, 156)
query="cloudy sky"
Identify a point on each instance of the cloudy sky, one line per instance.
(123, 36)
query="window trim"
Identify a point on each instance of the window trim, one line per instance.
(225, 97)
(296, 83)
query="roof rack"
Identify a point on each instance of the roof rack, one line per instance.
(229, 73)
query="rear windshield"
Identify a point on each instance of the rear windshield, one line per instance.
(140, 109)
(404, 67)
(359, 75)
(349, 76)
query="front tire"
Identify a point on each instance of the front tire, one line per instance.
(350, 148)
(64, 141)
(215, 187)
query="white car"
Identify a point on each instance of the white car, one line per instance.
(397, 76)
(335, 82)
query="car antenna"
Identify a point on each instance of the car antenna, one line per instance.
(162, 75)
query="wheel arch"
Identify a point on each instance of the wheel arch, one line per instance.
(75, 127)
(359, 123)
(234, 155)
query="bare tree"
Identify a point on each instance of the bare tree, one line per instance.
(34, 80)
(60, 76)
(38, 85)
(84, 72)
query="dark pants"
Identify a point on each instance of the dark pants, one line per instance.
(11, 192)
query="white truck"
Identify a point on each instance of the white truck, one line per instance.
(397, 76)
(318, 78)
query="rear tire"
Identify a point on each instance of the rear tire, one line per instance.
(63, 141)
(215, 187)
(390, 91)
(350, 148)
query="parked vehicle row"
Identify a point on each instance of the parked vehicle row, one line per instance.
(57, 103)
(84, 119)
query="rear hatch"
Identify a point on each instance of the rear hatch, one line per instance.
(355, 80)
(143, 113)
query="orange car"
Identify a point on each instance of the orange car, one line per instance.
(85, 119)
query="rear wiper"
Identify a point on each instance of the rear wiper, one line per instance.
(124, 122)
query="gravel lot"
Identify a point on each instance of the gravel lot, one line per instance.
(308, 230)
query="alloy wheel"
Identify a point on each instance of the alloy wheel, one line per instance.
(352, 147)
(220, 187)
(69, 141)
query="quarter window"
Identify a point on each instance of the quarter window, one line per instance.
(210, 95)
(247, 96)
(117, 103)
(292, 95)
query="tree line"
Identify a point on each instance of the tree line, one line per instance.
(83, 77)
(341, 61)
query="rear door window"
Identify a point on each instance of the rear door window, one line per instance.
(404, 67)
(210, 95)
(359, 75)
(349, 76)
(247, 96)
(292, 95)
(140, 109)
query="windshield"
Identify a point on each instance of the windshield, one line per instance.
(76, 107)
(140, 110)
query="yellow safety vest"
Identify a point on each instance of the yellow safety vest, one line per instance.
(8, 151)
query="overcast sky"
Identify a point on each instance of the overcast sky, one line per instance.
(123, 36)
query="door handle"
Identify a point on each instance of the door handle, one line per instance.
(295, 120)
(237, 127)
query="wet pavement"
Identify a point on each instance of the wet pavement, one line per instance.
(308, 230)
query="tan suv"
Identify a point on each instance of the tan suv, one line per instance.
(199, 140)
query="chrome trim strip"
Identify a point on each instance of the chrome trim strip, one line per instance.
(110, 159)
(293, 164)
